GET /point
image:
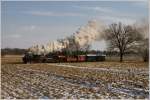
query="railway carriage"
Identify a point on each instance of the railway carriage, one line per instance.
(52, 58)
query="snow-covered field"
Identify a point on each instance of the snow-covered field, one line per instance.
(75, 80)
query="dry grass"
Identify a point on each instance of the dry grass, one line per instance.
(106, 64)
(12, 59)
(108, 80)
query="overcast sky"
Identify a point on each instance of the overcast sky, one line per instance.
(31, 22)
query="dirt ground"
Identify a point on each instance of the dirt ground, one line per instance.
(88, 80)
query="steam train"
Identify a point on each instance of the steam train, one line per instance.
(55, 58)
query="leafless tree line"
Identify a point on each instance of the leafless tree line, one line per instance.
(125, 38)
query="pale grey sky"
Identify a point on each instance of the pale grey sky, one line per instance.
(28, 23)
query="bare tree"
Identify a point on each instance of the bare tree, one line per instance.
(142, 47)
(121, 38)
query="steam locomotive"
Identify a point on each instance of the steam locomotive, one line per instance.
(55, 58)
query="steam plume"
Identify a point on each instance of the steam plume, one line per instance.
(84, 36)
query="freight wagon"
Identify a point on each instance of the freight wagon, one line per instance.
(52, 58)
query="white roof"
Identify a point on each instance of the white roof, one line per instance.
(91, 55)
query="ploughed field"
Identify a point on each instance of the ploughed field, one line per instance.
(74, 80)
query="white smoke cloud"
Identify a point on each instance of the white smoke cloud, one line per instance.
(84, 36)
(88, 33)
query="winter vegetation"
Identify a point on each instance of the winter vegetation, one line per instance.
(87, 80)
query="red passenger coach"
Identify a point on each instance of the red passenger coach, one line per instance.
(81, 58)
